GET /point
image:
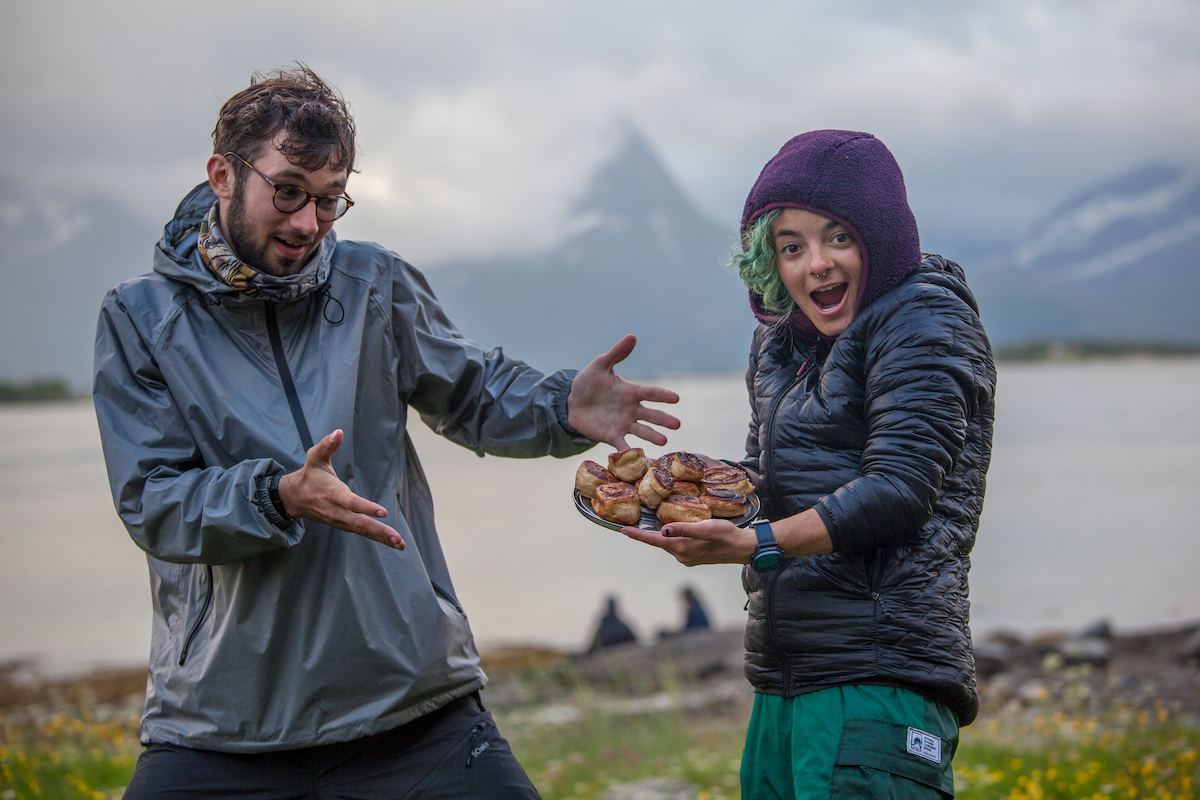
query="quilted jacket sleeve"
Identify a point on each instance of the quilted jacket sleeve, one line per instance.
(753, 447)
(923, 381)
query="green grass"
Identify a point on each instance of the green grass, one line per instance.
(66, 754)
(1034, 752)
(584, 758)
(1124, 754)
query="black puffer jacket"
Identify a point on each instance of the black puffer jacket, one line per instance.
(885, 430)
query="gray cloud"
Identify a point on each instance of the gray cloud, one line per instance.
(480, 121)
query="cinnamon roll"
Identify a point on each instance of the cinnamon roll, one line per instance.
(683, 508)
(617, 502)
(726, 477)
(655, 485)
(687, 487)
(686, 467)
(725, 502)
(589, 476)
(628, 465)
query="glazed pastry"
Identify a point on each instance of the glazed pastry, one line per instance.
(656, 485)
(687, 467)
(589, 476)
(727, 477)
(726, 502)
(617, 502)
(628, 465)
(684, 508)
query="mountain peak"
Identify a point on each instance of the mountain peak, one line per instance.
(639, 258)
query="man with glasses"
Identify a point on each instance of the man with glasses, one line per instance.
(307, 639)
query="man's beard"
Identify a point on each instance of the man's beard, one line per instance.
(241, 240)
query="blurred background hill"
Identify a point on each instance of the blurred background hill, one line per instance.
(1118, 264)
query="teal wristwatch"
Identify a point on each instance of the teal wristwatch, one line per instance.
(767, 554)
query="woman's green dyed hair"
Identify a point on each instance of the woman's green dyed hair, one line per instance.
(756, 266)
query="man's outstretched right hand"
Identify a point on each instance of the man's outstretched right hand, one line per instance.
(316, 492)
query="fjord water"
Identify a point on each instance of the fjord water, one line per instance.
(1092, 511)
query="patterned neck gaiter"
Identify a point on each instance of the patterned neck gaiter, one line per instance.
(233, 272)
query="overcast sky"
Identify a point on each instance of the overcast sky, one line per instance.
(479, 122)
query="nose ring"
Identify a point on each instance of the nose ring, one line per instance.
(822, 274)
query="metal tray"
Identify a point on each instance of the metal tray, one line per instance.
(650, 520)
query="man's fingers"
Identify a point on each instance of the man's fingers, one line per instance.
(619, 352)
(657, 394)
(378, 532)
(368, 528)
(646, 432)
(661, 418)
(324, 449)
(360, 505)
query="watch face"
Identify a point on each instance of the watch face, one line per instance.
(766, 561)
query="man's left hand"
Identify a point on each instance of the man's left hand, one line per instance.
(606, 407)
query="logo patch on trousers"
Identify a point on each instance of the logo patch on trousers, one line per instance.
(925, 745)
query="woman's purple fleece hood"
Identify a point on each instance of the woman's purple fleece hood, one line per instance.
(853, 178)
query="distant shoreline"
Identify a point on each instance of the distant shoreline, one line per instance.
(1091, 349)
(43, 390)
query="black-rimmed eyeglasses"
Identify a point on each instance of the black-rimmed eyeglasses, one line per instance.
(290, 198)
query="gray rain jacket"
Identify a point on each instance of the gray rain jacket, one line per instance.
(268, 639)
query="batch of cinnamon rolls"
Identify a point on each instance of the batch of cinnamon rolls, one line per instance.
(678, 487)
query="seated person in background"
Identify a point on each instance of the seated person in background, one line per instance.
(612, 629)
(697, 617)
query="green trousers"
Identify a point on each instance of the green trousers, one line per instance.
(849, 742)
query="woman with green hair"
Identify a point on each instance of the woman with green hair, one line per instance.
(871, 387)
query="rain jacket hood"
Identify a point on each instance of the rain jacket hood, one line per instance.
(266, 638)
(177, 256)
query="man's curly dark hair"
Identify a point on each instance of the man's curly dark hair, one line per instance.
(318, 129)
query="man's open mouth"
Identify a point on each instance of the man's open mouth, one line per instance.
(829, 298)
(291, 246)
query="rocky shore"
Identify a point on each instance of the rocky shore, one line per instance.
(704, 670)
(1092, 671)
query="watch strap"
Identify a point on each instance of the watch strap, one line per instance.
(266, 497)
(768, 553)
(762, 529)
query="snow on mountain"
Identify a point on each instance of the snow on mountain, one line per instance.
(1120, 261)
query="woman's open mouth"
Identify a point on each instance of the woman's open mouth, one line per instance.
(829, 298)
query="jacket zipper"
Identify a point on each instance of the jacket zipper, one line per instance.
(768, 447)
(768, 451)
(475, 750)
(285, 376)
(187, 642)
(773, 579)
(446, 596)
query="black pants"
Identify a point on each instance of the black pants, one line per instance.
(453, 752)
